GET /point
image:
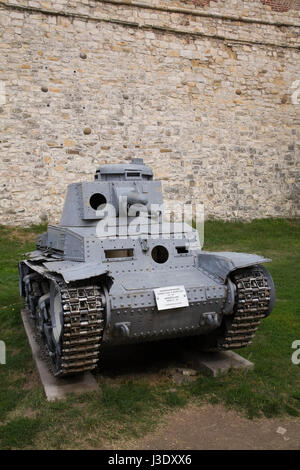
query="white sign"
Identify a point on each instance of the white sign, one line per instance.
(171, 297)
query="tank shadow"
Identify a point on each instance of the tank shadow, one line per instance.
(145, 359)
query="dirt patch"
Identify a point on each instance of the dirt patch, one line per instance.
(15, 351)
(29, 413)
(20, 235)
(32, 380)
(151, 378)
(212, 427)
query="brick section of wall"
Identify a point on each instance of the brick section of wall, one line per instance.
(282, 5)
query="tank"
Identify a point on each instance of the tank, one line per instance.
(98, 277)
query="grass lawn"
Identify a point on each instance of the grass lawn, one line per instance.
(121, 407)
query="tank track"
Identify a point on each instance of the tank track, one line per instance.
(253, 296)
(83, 325)
(83, 321)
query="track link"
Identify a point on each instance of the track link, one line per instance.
(253, 296)
(83, 325)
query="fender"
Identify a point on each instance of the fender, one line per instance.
(72, 271)
(221, 264)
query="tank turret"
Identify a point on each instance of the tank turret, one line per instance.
(114, 186)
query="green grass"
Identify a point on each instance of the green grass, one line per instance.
(131, 408)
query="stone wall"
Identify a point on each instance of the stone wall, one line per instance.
(207, 92)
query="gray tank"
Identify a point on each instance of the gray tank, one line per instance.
(88, 283)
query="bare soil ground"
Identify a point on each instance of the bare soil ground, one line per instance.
(213, 427)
